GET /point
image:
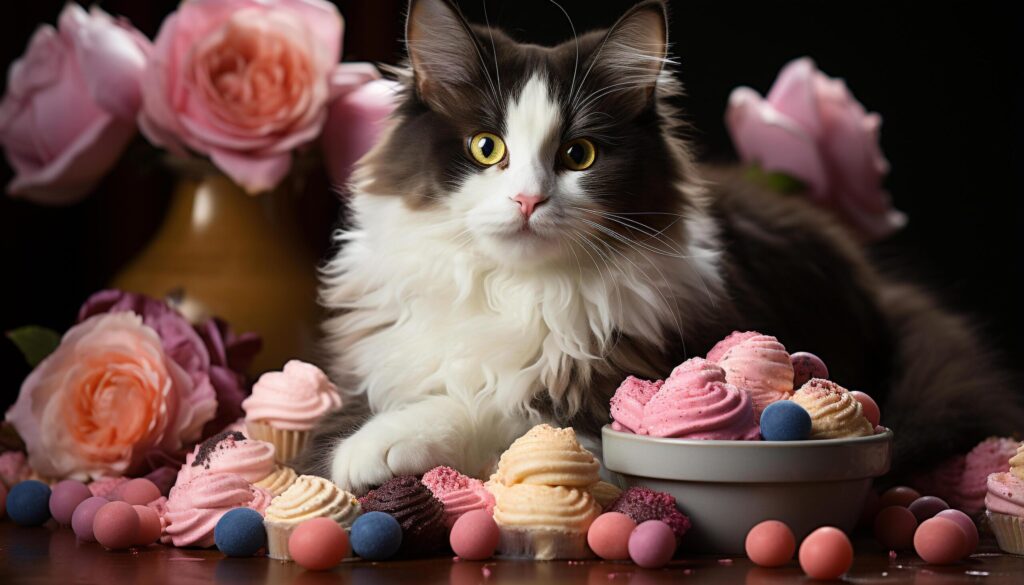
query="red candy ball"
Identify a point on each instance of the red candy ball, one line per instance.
(608, 536)
(826, 553)
(894, 528)
(869, 407)
(318, 544)
(116, 525)
(927, 506)
(475, 536)
(149, 525)
(139, 491)
(770, 544)
(967, 524)
(899, 496)
(652, 544)
(940, 541)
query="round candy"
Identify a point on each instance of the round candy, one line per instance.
(318, 544)
(240, 533)
(869, 407)
(475, 535)
(116, 525)
(139, 491)
(927, 506)
(826, 553)
(28, 503)
(3, 500)
(149, 525)
(940, 541)
(899, 496)
(967, 524)
(652, 544)
(608, 536)
(376, 536)
(806, 366)
(82, 519)
(770, 544)
(785, 421)
(894, 528)
(65, 497)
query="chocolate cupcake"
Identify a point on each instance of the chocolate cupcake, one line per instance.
(420, 514)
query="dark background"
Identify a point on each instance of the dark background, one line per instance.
(946, 77)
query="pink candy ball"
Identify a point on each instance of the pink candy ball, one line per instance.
(770, 544)
(869, 407)
(927, 506)
(83, 516)
(116, 525)
(318, 544)
(65, 497)
(807, 366)
(149, 525)
(609, 535)
(899, 496)
(475, 536)
(894, 528)
(826, 553)
(139, 491)
(940, 541)
(967, 524)
(652, 544)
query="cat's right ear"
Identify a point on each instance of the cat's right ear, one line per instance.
(443, 51)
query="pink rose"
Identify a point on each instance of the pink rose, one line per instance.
(107, 401)
(242, 81)
(71, 103)
(811, 127)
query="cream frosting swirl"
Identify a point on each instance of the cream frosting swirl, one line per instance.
(193, 508)
(604, 493)
(627, 405)
(548, 456)
(1017, 463)
(542, 506)
(280, 479)
(310, 497)
(696, 403)
(292, 399)
(835, 413)
(1005, 494)
(759, 364)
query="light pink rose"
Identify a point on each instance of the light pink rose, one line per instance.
(812, 128)
(107, 401)
(71, 103)
(244, 82)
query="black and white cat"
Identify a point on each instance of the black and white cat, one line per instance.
(532, 229)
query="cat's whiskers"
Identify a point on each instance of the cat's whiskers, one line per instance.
(643, 228)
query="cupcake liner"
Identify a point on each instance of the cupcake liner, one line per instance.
(288, 444)
(1009, 531)
(543, 544)
(277, 540)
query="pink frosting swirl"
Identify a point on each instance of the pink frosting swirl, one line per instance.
(733, 339)
(459, 493)
(990, 456)
(229, 452)
(757, 363)
(193, 509)
(293, 399)
(627, 405)
(1004, 494)
(695, 404)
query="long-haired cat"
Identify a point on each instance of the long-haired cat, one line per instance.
(532, 228)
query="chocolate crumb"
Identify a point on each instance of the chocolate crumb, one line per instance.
(207, 447)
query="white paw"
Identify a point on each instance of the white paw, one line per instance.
(378, 452)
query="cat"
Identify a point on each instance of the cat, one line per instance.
(532, 228)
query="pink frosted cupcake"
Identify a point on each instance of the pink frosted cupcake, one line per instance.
(285, 405)
(990, 456)
(695, 403)
(757, 363)
(1004, 502)
(458, 493)
(944, 481)
(229, 452)
(627, 405)
(193, 509)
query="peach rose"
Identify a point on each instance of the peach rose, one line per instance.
(244, 82)
(107, 400)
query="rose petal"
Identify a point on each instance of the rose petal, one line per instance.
(252, 172)
(793, 95)
(355, 122)
(112, 59)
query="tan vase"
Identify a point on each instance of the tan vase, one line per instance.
(223, 252)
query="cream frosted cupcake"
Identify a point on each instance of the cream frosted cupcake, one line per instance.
(835, 413)
(285, 405)
(280, 479)
(308, 497)
(1004, 503)
(605, 493)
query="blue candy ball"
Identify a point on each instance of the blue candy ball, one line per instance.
(785, 421)
(240, 533)
(376, 536)
(28, 503)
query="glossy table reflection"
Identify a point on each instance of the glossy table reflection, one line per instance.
(48, 555)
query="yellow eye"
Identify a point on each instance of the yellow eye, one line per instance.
(486, 148)
(578, 155)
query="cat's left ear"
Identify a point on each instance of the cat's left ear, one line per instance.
(636, 48)
(443, 52)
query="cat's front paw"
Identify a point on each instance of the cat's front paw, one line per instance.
(374, 455)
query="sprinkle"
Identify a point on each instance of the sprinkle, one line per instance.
(486, 572)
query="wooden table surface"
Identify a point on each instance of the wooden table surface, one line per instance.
(49, 555)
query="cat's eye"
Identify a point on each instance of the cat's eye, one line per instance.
(487, 148)
(578, 154)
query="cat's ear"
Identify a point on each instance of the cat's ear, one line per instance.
(635, 49)
(443, 51)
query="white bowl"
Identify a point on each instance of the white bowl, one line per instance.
(727, 487)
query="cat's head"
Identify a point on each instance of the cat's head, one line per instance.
(535, 153)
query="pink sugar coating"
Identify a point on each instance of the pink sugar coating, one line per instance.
(627, 404)
(442, 480)
(642, 504)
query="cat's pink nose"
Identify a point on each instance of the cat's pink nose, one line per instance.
(528, 203)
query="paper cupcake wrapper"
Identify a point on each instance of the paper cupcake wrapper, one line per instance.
(277, 540)
(287, 443)
(543, 544)
(1009, 531)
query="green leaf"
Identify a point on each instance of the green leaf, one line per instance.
(34, 342)
(776, 181)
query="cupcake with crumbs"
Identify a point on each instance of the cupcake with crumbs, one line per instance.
(285, 405)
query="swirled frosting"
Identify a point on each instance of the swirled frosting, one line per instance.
(280, 479)
(1005, 494)
(695, 403)
(311, 497)
(627, 405)
(541, 506)
(229, 452)
(604, 493)
(548, 456)
(987, 457)
(835, 413)
(457, 492)
(1017, 462)
(420, 514)
(193, 508)
(757, 363)
(292, 399)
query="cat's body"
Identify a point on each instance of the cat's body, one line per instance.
(463, 314)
